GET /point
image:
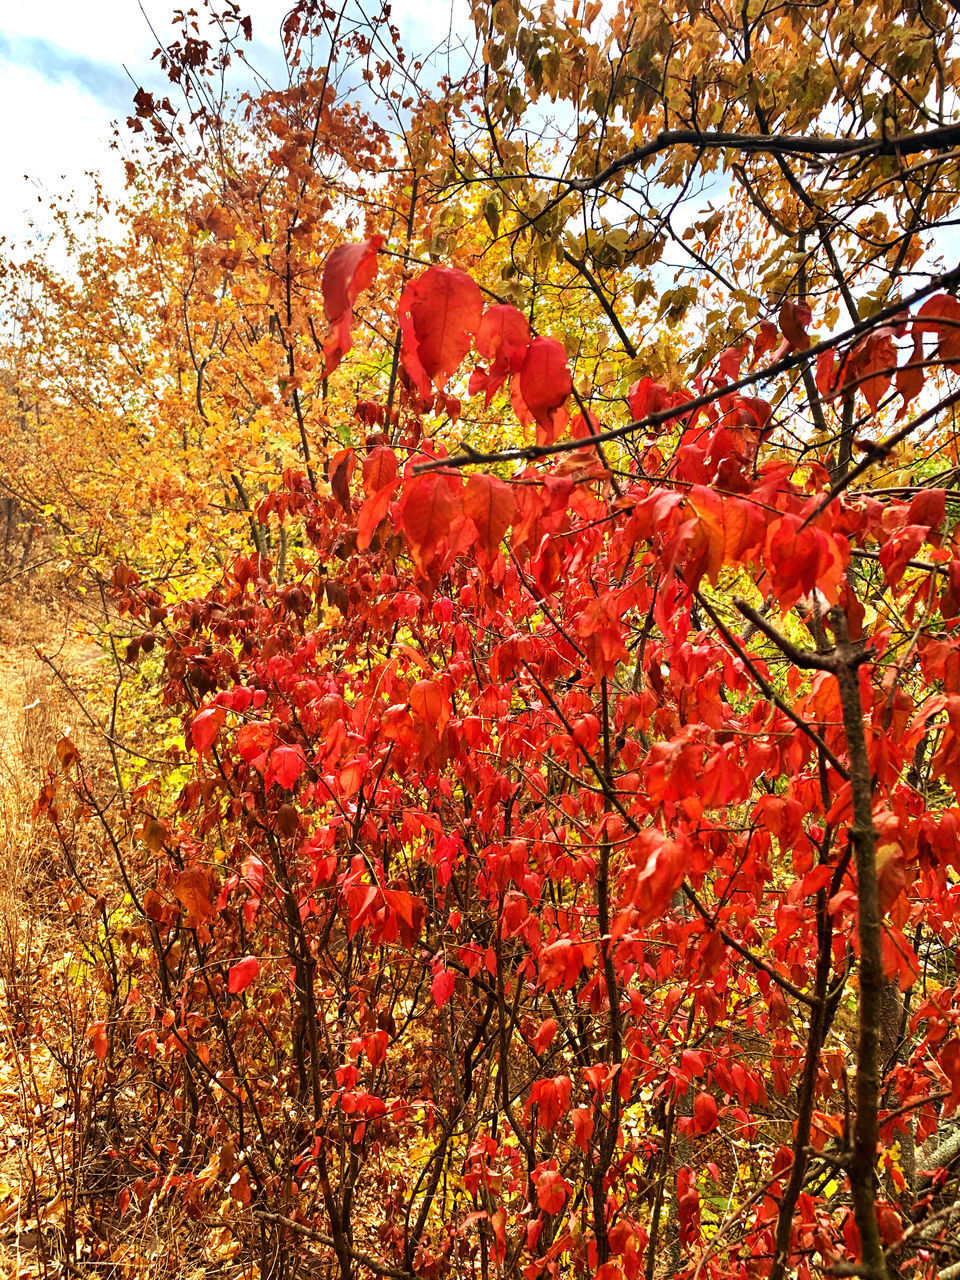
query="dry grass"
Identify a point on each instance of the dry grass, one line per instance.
(58, 1214)
(38, 1128)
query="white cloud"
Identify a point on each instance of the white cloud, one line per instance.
(64, 78)
(110, 31)
(53, 135)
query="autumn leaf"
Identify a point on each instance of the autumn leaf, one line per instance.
(439, 314)
(490, 504)
(794, 320)
(544, 385)
(552, 1191)
(804, 559)
(99, 1041)
(502, 339)
(941, 315)
(193, 892)
(899, 549)
(154, 834)
(349, 270)
(67, 754)
(912, 376)
(704, 1113)
(371, 515)
(286, 766)
(380, 475)
(341, 469)
(380, 470)
(429, 701)
(204, 728)
(544, 1037)
(429, 504)
(949, 1063)
(442, 986)
(583, 1125)
(242, 974)
(871, 366)
(647, 397)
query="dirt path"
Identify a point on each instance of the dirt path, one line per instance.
(35, 712)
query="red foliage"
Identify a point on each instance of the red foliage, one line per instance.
(542, 837)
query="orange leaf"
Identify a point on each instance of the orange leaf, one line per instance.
(67, 754)
(872, 366)
(97, 1035)
(193, 892)
(372, 513)
(431, 704)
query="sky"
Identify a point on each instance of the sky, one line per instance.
(69, 70)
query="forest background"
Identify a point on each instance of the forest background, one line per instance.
(505, 493)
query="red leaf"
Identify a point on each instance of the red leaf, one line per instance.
(928, 508)
(552, 1191)
(205, 727)
(949, 1060)
(659, 867)
(380, 470)
(688, 1206)
(349, 270)
(286, 766)
(359, 902)
(582, 1119)
(97, 1035)
(647, 397)
(794, 318)
(602, 629)
(804, 560)
(545, 383)
(490, 504)
(428, 507)
(242, 974)
(941, 315)
(827, 377)
(431, 704)
(503, 338)
(871, 366)
(370, 516)
(439, 313)
(442, 986)
(911, 377)
(375, 1047)
(341, 469)
(900, 548)
(544, 1037)
(704, 1113)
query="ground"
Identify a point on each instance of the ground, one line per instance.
(37, 1129)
